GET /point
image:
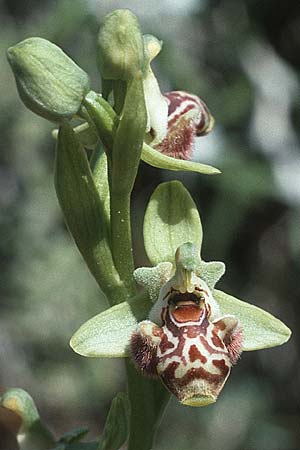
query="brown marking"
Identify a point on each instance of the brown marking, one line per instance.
(208, 310)
(195, 354)
(175, 101)
(201, 290)
(187, 313)
(178, 385)
(192, 331)
(144, 354)
(174, 119)
(168, 376)
(157, 331)
(179, 140)
(165, 343)
(221, 365)
(221, 325)
(216, 339)
(210, 349)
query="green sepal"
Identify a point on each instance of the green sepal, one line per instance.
(260, 328)
(35, 435)
(153, 278)
(120, 46)
(171, 219)
(49, 82)
(157, 159)
(108, 333)
(84, 212)
(116, 427)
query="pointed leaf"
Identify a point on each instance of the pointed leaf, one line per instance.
(261, 329)
(108, 333)
(84, 211)
(116, 427)
(74, 435)
(171, 219)
(157, 159)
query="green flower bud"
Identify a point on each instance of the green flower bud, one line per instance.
(49, 82)
(120, 46)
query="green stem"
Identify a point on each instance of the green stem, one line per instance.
(123, 139)
(148, 399)
(121, 241)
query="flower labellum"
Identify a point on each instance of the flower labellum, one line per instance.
(174, 118)
(188, 116)
(186, 342)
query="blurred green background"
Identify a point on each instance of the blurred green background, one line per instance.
(243, 58)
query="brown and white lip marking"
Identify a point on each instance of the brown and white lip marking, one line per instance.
(188, 116)
(191, 353)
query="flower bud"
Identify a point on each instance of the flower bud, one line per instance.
(120, 46)
(49, 82)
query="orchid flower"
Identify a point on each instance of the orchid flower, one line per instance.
(174, 118)
(181, 330)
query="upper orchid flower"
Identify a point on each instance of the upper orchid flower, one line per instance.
(175, 118)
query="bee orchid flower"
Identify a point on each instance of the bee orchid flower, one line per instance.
(174, 118)
(181, 329)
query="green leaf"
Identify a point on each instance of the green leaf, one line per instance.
(49, 82)
(74, 436)
(108, 334)
(77, 446)
(171, 219)
(116, 427)
(261, 329)
(83, 446)
(84, 212)
(157, 159)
